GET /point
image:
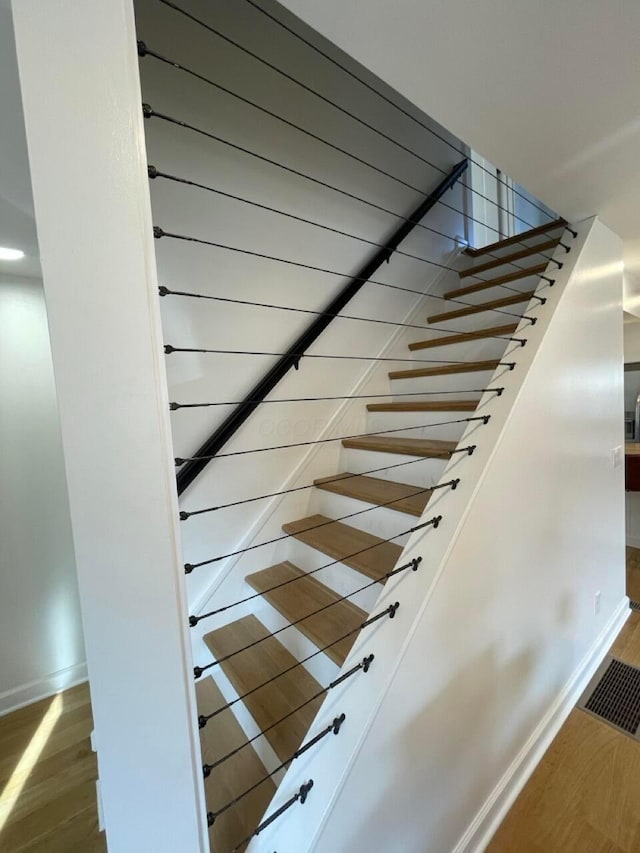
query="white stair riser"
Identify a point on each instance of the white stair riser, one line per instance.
(321, 667)
(469, 382)
(490, 293)
(379, 520)
(476, 350)
(419, 424)
(482, 319)
(505, 251)
(418, 471)
(261, 745)
(339, 577)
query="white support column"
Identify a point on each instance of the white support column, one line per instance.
(81, 93)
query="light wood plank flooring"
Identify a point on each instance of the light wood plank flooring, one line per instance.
(633, 574)
(584, 796)
(47, 777)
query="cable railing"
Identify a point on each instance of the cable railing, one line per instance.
(436, 464)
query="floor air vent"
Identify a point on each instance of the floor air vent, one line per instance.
(634, 605)
(614, 696)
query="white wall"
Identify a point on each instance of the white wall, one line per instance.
(512, 620)
(41, 644)
(502, 100)
(497, 633)
(185, 266)
(81, 96)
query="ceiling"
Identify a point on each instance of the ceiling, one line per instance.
(547, 90)
(17, 224)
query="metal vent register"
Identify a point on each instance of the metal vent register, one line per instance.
(634, 605)
(614, 696)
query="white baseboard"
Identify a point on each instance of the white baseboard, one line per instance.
(25, 694)
(633, 541)
(488, 819)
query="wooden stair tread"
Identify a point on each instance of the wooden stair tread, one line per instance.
(517, 238)
(374, 490)
(406, 446)
(467, 367)
(264, 661)
(547, 245)
(538, 269)
(339, 541)
(509, 329)
(222, 735)
(525, 296)
(307, 595)
(432, 406)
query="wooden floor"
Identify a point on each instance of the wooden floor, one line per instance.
(47, 777)
(633, 574)
(584, 796)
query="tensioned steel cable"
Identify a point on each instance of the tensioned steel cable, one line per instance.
(316, 137)
(184, 515)
(204, 718)
(299, 797)
(434, 521)
(202, 721)
(180, 460)
(159, 233)
(165, 291)
(219, 661)
(144, 50)
(335, 105)
(190, 566)
(333, 728)
(388, 611)
(252, 645)
(174, 407)
(391, 102)
(149, 112)
(169, 348)
(155, 173)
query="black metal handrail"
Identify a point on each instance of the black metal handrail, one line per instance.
(291, 357)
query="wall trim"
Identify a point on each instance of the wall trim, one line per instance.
(488, 819)
(32, 691)
(633, 541)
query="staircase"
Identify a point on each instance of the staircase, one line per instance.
(408, 466)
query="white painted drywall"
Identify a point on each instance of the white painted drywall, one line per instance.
(41, 644)
(185, 266)
(497, 631)
(574, 145)
(79, 76)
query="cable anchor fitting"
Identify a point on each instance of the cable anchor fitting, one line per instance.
(304, 791)
(337, 723)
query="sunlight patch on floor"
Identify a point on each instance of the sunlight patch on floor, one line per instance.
(12, 790)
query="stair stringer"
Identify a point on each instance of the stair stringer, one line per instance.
(393, 778)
